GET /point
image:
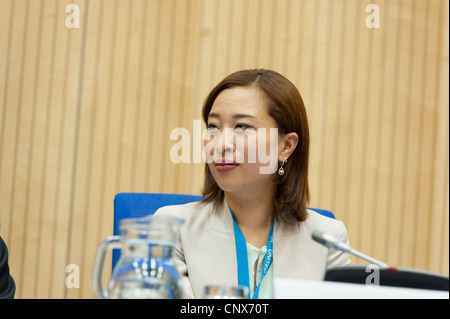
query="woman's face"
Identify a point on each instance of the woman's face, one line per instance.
(241, 143)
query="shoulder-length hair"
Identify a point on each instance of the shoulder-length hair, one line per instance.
(285, 105)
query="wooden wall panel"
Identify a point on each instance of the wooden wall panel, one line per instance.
(86, 113)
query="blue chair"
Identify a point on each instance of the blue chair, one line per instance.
(134, 205)
(323, 212)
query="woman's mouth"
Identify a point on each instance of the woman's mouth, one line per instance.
(223, 167)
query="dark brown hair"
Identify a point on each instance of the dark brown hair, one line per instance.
(285, 105)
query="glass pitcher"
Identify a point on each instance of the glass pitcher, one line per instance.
(145, 269)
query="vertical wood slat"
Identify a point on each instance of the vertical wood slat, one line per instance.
(385, 151)
(47, 164)
(6, 23)
(9, 131)
(439, 243)
(83, 217)
(62, 93)
(87, 113)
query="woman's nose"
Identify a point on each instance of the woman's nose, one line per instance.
(225, 142)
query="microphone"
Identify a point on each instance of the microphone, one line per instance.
(333, 243)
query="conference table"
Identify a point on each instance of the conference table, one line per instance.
(304, 289)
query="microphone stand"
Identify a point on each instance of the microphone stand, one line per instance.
(332, 242)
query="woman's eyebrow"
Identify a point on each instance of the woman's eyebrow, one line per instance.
(235, 116)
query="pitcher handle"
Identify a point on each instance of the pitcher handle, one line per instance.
(109, 243)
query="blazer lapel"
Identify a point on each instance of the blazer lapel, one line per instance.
(220, 221)
(284, 244)
(219, 266)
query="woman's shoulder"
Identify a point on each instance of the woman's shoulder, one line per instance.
(325, 224)
(186, 211)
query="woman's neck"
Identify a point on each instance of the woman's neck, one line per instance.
(253, 216)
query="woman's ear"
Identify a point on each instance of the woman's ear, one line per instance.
(288, 143)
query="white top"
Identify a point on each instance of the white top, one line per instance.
(256, 260)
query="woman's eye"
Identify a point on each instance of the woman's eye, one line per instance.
(212, 127)
(243, 126)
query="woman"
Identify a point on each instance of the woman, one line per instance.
(252, 226)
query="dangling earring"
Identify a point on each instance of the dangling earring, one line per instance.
(281, 169)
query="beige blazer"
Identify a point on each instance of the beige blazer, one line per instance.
(205, 252)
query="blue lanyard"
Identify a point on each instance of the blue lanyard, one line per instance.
(242, 258)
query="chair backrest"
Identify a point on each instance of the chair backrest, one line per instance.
(134, 205)
(323, 212)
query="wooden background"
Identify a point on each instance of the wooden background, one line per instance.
(87, 113)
